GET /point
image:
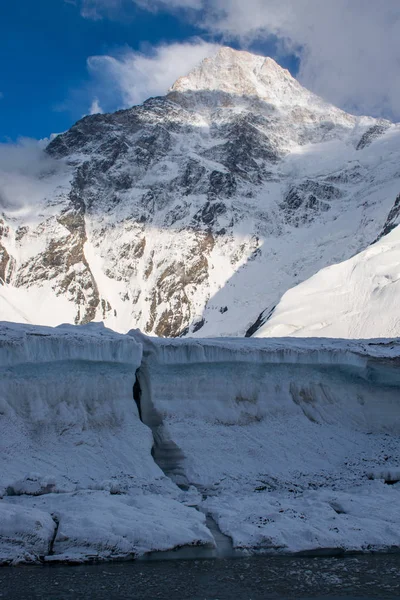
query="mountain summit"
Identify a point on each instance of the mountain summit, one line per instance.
(193, 213)
(245, 74)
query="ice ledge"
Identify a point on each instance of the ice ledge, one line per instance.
(21, 343)
(274, 350)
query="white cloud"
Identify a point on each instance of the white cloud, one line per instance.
(153, 5)
(22, 168)
(136, 76)
(95, 107)
(97, 9)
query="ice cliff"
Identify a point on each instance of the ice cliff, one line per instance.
(286, 439)
(289, 444)
(76, 472)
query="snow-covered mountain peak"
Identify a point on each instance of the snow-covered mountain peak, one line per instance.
(193, 213)
(245, 74)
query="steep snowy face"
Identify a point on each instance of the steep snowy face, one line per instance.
(357, 298)
(194, 212)
(244, 74)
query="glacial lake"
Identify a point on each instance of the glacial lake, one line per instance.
(254, 578)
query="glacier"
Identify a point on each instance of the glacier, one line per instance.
(114, 446)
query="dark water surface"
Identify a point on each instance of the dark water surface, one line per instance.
(255, 578)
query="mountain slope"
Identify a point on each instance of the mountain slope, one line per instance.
(194, 212)
(357, 298)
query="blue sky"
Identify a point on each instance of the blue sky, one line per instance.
(348, 51)
(43, 51)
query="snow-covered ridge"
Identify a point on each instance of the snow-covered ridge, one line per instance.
(245, 74)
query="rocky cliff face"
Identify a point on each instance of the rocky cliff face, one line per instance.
(194, 212)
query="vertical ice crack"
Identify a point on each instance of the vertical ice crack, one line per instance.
(169, 457)
(55, 532)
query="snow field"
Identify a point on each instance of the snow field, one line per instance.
(352, 299)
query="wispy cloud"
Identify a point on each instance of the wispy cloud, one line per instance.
(135, 76)
(99, 9)
(95, 107)
(22, 169)
(153, 5)
(96, 10)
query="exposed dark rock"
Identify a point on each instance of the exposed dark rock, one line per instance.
(4, 260)
(193, 177)
(208, 215)
(371, 134)
(221, 184)
(198, 325)
(259, 322)
(392, 220)
(308, 199)
(4, 255)
(59, 260)
(171, 289)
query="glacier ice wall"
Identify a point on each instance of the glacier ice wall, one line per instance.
(286, 443)
(77, 478)
(68, 419)
(281, 436)
(239, 381)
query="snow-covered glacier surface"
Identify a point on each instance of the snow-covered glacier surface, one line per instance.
(289, 441)
(113, 446)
